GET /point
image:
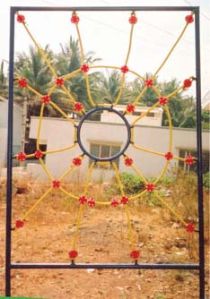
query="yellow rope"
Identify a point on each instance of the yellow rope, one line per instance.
(60, 150)
(165, 168)
(138, 195)
(78, 224)
(52, 89)
(35, 204)
(88, 178)
(46, 169)
(82, 60)
(115, 68)
(117, 175)
(72, 74)
(171, 50)
(68, 93)
(61, 112)
(68, 193)
(68, 171)
(90, 99)
(140, 95)
(41, 51)
(131, 237)
(129, 44)
(144, 113)
(122, 83)
(39, 127)
(170, 95)
(170, 208)
(34, 91)
(137, 170)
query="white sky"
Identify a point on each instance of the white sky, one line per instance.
(106, 33)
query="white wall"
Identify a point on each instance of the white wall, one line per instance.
(17, 129)
(147, 120)
(57, 133)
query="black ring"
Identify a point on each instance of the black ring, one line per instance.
(85, 117)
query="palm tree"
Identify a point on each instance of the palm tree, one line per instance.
(109, 88)
(37, 73)
(67, 61)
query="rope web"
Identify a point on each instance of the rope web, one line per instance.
(123, 200)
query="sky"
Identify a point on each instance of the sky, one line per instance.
(107, 34)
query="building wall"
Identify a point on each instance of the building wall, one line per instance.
(57, 133)
(17, 129)
(154, 118)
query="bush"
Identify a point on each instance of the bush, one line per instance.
(132, 183)
(206, 180)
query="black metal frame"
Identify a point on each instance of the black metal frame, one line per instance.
(86, 117)
(9, 265)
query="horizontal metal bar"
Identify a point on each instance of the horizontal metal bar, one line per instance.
(104, 8)
(104, 266)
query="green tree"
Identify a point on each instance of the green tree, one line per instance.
(67, 61)
(206, 119)
(3, 82)
(32, 67)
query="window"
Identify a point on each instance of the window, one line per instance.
(104, 151)
(205, 156)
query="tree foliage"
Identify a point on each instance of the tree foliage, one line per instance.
(104, 86)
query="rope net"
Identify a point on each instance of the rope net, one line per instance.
(84, 200)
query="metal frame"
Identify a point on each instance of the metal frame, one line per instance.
(9, 264)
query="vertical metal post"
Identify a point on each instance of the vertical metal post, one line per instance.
(9, 160)
(199, 156)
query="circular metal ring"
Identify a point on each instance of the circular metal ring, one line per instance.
(79, 139)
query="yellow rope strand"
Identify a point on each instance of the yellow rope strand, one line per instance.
(140, 95)
(90, 99)
(46, 169)
(34, 91)
(137, 170)
(170, 208)
(61, 112)
(36, 203)
(72, 74)
(117, 175)
(39, 126)
(144, 113)
(51, 90)
(82, 54)
(170, 95)
(147, 150)
(68, 171)
(68, 93)
(41, 51)
(78, 224)
(138, 195)
(89, 174)
(68, 193)
(60, 149)
(171, 50)
(122, 83)
(130, 44)
(165, 168)
(131, 237)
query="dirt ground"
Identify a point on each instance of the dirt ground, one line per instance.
(46, 238)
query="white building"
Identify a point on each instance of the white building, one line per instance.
(17, 130)
(153, 118)
(104, 138)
